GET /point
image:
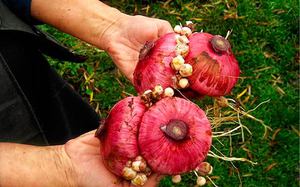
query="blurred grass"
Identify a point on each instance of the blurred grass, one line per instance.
(265, 40)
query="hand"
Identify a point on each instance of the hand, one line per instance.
(84, 153)
(126, 37)
(92, 21)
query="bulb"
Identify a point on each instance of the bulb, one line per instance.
(179, 131)
(177, 29)
(158, 89)
(186, 70)
(129, 173)
(176, 179)
(204, 169)
(183, 83)
(215, 69)
(157, 65)
(139, 180)
(201, 181)
(186, 31)
(177, 62)
(121, 124)
(169, 92)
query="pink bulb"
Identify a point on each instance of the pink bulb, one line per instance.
(216, 70)
(154, 68)
(181, 148)
(119, 134)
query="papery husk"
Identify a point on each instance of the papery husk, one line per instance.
(214, 73)
(168, 156)
(154, 68)
(119, 134)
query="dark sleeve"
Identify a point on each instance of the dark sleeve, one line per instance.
(21, 8)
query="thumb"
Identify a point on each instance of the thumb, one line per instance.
(154, 180)
(164, 27)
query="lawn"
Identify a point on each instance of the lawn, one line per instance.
(265, 36)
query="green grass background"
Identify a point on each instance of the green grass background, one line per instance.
(265, 39)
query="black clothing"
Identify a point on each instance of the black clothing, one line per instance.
(36, 105)
(21, 8)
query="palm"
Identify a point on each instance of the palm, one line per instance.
(84, 153)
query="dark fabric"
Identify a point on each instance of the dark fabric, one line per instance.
(21, 8)
(60, 111)
(17, 121)
(45, 43)
(36, 105)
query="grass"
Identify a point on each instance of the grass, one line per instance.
(265, 40)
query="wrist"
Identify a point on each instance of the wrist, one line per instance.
(26, 165)
(110, 29)
(87, 20)
(65, 170)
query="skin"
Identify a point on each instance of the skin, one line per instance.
(121, 35)
(78, 162)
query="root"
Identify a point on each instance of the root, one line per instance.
(230, 159)
(246, 114)
(226, 116)
(235, 115)
(212, 182)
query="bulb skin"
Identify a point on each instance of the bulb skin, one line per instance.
(215, 70)
(214, 73)
(165, 155)
(155, 68)
(133, 132)
(119, 134)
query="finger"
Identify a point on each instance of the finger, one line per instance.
(153, 180)
(88, 138)
(130, 78)
(164, 27)
(88, 133)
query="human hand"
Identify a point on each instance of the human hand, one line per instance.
(124, 39)
(94, 22)
(84, 154)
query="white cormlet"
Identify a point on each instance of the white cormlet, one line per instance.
(182, 39)
(169, 92)
(177, 62)
(183, 83)
(188, 22)
(176, 179)
(139, 180)
(129, 173)
(177, 29)
(186, 31)
(182, 49)
(147, 92)
(201, 181)
(186, 70)
(136, 165)
(158, 89)
(211, 170)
